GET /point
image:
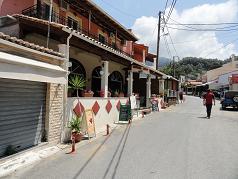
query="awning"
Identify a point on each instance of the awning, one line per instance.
(21, 68)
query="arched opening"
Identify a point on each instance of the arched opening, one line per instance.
(115, 82)
(96, 81)
(76, 69)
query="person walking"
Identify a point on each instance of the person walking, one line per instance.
(181, 97)
(208, 98)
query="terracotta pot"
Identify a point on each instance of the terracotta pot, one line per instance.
(121, 95)
(87, 94)
(78, 136)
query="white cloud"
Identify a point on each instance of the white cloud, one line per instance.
(192, 43)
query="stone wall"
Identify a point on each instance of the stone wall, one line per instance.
(54, 117)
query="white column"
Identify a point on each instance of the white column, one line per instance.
(130, 83)
(104, 78)
(161, 87)
(64, 50)
(148, 91)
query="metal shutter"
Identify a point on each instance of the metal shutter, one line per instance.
(22, 113)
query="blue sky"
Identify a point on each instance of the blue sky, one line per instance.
(134, 13)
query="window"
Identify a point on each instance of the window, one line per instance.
(102, 39)
(72, 23)
(46, 11)
(63, 4)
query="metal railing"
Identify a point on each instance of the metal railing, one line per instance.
(42, 12)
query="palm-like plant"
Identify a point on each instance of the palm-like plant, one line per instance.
(77, 82)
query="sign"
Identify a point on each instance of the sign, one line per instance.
(133, 102)
(88, 119)
(155, 104)
(125, 113)
(234, 78)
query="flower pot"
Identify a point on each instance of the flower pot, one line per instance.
(85, 94)
(121, 95)
(77, 136)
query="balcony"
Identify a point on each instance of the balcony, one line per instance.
(43, 12)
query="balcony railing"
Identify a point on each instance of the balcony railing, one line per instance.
(42, 12)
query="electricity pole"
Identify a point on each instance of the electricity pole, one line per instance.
(158, 40)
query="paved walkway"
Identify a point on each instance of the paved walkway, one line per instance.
(178, 143)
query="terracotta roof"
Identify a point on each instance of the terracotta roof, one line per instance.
(53, 24)
(29, 45)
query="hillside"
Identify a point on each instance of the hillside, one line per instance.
(192, 66)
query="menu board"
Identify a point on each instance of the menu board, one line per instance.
(88, 118)
(125, 113)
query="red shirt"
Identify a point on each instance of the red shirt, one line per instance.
(209, 97)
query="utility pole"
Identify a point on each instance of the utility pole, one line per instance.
(158, 40)
(174, 66)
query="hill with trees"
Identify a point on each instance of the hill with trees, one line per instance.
(191, 67)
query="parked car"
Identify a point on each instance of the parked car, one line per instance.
(229, 99)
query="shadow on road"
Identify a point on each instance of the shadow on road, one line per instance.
(92, 156)
(126, 131)
(124, 136)
(202, 117)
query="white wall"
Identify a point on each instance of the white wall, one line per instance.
(102, 118)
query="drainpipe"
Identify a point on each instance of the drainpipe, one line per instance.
(66, 85)
(50, 17)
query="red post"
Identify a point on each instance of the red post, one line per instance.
(108, 129)
(73, 145)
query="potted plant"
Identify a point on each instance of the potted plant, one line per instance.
(116, 93)
(77, 83)
(121, 94)
(75, 126)
(87, 93)
(102, 93)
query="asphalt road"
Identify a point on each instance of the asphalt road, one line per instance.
(178, 143)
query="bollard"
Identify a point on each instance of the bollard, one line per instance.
(73, 145)
(107, 129)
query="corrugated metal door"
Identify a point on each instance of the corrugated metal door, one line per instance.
(22, 114)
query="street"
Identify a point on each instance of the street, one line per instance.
(177, 143)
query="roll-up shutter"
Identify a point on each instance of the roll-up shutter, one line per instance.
(22, 114)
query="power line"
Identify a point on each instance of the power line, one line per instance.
(189, 28)
(119, 10)
(220, 48)
(201, 24)
(170, 10)
(166, 5)
(195, 29)
(167, 47)
(211, 37)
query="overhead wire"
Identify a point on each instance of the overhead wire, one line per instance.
(221, 48)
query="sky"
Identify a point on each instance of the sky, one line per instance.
(142, 17)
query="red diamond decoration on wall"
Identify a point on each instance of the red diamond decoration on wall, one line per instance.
(118, 105)
(78, 110)
(96, 108)
(108, 106)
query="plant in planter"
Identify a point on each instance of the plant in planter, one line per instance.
(102, 93)
(77, 83)
(121, 94)
(87, 93)
(116, 93)
(75, 126)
